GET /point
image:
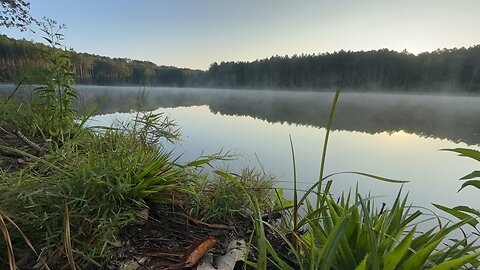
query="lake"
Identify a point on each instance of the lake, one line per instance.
(391, 135)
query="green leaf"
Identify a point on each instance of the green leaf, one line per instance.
(370, 176)
(419, 258)
(48, 40)
(458, 214)
(465, 152)
(199, 162)
(456, 263)
(475, 174)
(474, 183)
(393, 258)
(467, 210)
(329, 250)
(411, 218)
(363, 264)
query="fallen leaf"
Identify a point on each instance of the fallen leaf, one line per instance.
(198, 250)
(236, 252)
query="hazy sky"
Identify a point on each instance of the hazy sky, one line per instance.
(196, 33)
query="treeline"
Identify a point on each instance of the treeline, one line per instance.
(22, 60)
(441, 70)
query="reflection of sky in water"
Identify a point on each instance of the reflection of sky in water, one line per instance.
(399, 155)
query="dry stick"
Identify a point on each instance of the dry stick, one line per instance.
(29, 142)
(211, 226)
(163, 254)
(5, 131)
(15, 91)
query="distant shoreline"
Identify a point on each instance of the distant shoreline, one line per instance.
(392, 92)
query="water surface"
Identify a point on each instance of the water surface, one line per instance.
(391, 135)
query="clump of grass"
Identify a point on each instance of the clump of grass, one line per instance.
(352, 235)
(103, 179)
(218, 199)
(348, 233)
(16, 115)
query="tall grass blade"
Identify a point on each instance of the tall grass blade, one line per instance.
(68, 241)
(325, 144)
(372, 239)
(29, 244)
(456, 263)
(393, 258)
(261, 238)
(8, 242)
(370, 176)
(417, 260)
(363, 264)
(458, 214)
(295, 194)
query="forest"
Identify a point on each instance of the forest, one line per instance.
(443, 70)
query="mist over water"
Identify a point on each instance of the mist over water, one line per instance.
(391, 135)
(438, 116)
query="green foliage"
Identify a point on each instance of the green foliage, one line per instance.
(16, 116)
(21, 60)
(221, 200)
(365, 70)
(470, 180)
(103, 178)
(55, 101)
(348, 233)
(15, 13)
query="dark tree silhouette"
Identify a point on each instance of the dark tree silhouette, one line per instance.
(15, 13)
(443, 70)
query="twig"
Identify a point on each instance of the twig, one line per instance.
(15, 91)
(162, 254)
(5, 131)
(29, 142)
(211, 226)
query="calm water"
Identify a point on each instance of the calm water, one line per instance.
(391, 135)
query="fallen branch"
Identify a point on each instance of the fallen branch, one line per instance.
(211, 226)
(29, 142)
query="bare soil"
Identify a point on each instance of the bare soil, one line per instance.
(12, 161)
(164, 239)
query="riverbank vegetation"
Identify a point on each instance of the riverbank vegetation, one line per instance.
(80, 197)
(72, 204)
(453, 70)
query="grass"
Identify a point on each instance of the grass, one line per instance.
(65, 208)
(218, 199)
(71, 202)
(348, 233)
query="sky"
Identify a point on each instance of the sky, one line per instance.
(196, 33)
